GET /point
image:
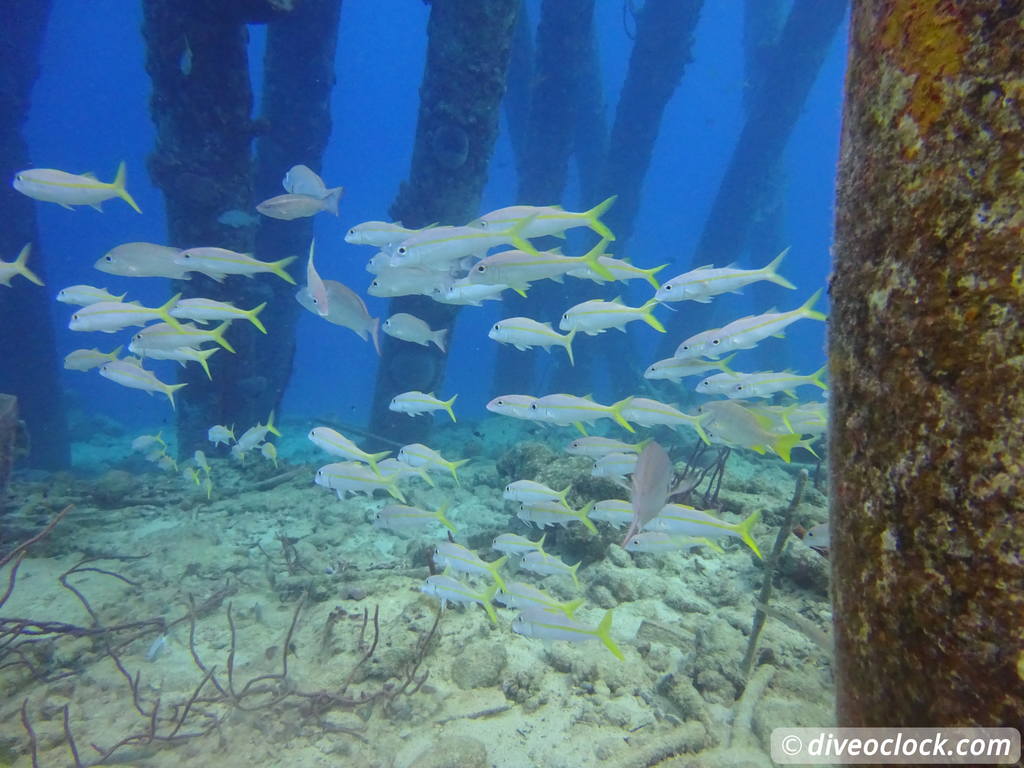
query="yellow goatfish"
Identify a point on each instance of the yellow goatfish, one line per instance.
(69, 189)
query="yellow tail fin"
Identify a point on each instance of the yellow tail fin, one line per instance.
(593, 217)
(277, 267)
(21, 265)
(604, 632)
(744, 529)
(251, 316)
(118, 186)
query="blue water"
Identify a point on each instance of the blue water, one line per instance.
(90, 110)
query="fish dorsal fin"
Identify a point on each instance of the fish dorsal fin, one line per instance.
(706, 266)
(616, 300)
(589, 396)
(90, 175)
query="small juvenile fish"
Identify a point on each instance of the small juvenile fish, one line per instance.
(167, 464)
(87, 359)
(143, 443)
(84, 295)
(336, 444)
(419, 455)
(519, 594)
(210, 310)
(595, 446)
(129, 374)
(69, 189)
(218, 434)
(345, 308)
(514, 544)
(397, 516)
(530, 490)
(345, 477)
(516, 406)
(545, 513)
(295, 206)
(547, 219)
(524, 333)
(547, 565)
(142, 260)
(458, 558)
(192, 473)
(555, 626)
(255, 435)
(269, 452)
(18, 267)
(200, 459)
(219, 262)
(406, 327)
(113, 316)
(174, 335)
(415, 402)
(704, 283)
(450, 589)
(597, 316)
(677, 368)
(683, 520)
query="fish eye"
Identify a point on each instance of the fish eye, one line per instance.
(533, 406)
(667, 287)
(739, 387)
(480, 268)
(74, 316)
(187, 255)
(565, 316)
(402, 249)
(497, 327)
(716, 342)
(500, 402)
(352, 231)
(108, 258)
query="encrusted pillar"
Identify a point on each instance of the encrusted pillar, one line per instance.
(927, 367)
(201, 106)
(460, 99)
(29, 368)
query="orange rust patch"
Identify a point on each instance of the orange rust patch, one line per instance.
(928, 42)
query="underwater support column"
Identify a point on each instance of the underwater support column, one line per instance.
(296, 117)
(29, 369)
(772, 111)
(563, 43)
(661, 51)
(201, 106)
(926, 334)
(460, 101)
